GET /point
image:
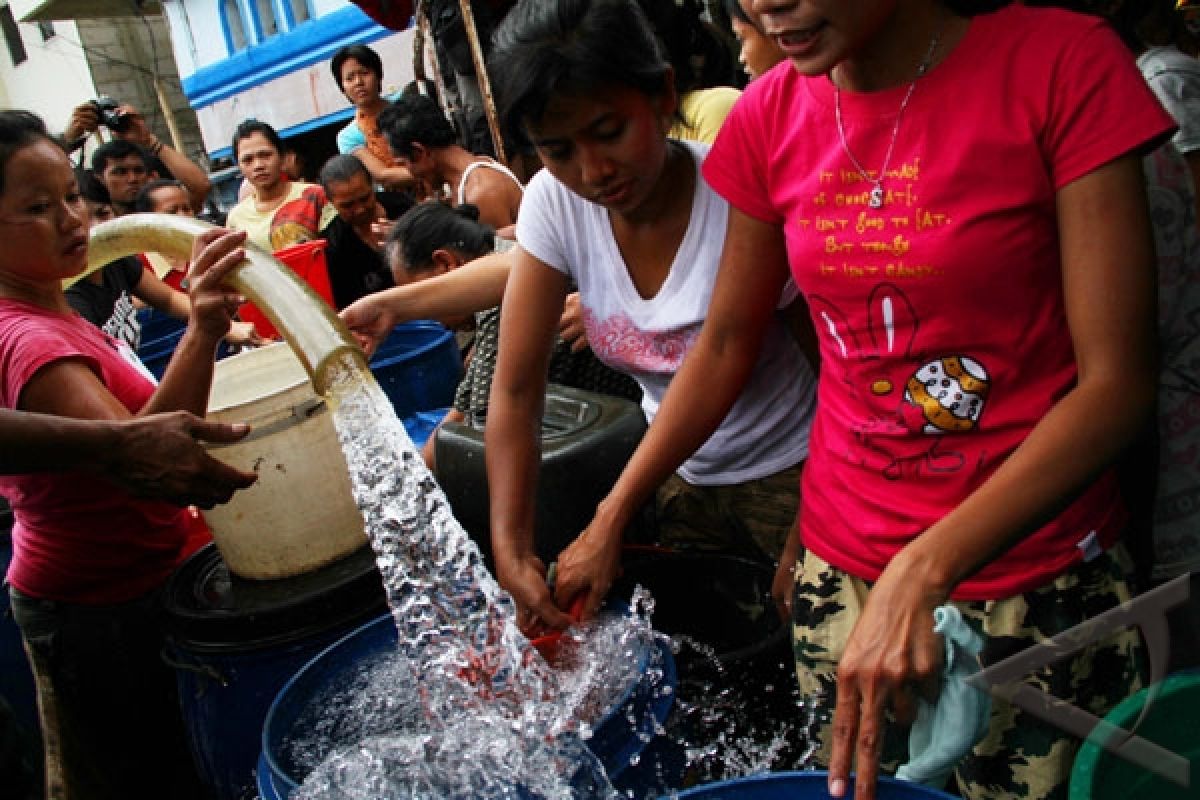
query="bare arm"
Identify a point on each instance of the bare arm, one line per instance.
(476, 286)
(156, 293)
(752, 273)
(391, 178)
(495, 195)
(68, 388)
(1108, 284)
(186, 171)
(532, 304)
(159, 456)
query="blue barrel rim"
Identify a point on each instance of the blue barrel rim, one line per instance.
(802, 778)
(419, 326)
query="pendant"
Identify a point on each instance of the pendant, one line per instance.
(876, 198)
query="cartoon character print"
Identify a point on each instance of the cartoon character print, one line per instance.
(916, 402)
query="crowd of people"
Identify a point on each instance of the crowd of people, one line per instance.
(910, 307)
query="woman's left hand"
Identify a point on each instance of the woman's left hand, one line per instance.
(892, 657)
(215, 254)
(570, 325)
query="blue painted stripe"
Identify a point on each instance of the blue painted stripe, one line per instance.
(303, 127)
(310, 42)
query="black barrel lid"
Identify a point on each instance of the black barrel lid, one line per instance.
(209, 608)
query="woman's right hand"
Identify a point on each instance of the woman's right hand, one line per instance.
(215, 254)
(524, 577)
(590, 564)
(370, 320)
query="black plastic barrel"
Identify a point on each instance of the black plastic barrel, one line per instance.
(234, 643)
(587, 438)
(733, 653)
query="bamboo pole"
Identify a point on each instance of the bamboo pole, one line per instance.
(481, 76)
(168, 113)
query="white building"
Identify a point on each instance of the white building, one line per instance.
(43, 67)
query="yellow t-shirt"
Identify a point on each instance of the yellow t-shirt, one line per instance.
(299, 218)
(704, 111)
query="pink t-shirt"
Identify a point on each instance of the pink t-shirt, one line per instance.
(940, 315)
(79, 538)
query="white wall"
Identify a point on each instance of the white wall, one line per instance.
(197, 34)
(53, 80)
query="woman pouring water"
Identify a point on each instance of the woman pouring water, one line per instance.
(89, 558)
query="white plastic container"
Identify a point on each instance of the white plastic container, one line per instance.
(301, 514)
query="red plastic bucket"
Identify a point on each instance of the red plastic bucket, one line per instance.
(307, 260)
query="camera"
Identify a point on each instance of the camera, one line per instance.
(110, 117)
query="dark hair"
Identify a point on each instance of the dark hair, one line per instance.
(970, 8)
(115, 151)
(432, 225)
(698, 55)
(91, 187)
(734, 9)
(145, 196)
(360, 53)
(415, 119)
(342, 168)
(18, 130)
(1141, 24)
(253, 126)
(546, 49)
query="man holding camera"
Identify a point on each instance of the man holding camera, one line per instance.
(124, 171)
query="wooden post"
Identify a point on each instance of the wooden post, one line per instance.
(168, 113)
(481, 76)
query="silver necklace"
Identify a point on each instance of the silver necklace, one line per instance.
(875, 199)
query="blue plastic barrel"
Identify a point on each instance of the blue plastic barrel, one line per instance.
(418, 367)
(801, 786)
(160, 336)
(421, 425)
(617, 740)
(234, 643)
(156, 325)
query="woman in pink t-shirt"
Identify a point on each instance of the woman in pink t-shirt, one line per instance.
(88, 557)
(958, 197)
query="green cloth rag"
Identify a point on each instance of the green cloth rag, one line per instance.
(945, 731)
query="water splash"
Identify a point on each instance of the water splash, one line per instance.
(465, 707)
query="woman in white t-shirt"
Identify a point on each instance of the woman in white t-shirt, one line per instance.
(622, 211)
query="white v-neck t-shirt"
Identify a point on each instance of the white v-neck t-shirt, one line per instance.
(767, 429)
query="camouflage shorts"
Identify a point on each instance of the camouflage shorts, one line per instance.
(752, 519)
(1021, 756)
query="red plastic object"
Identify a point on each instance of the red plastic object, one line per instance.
(394, 14)
(198, 534)
(547, 645)
(307, 260)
